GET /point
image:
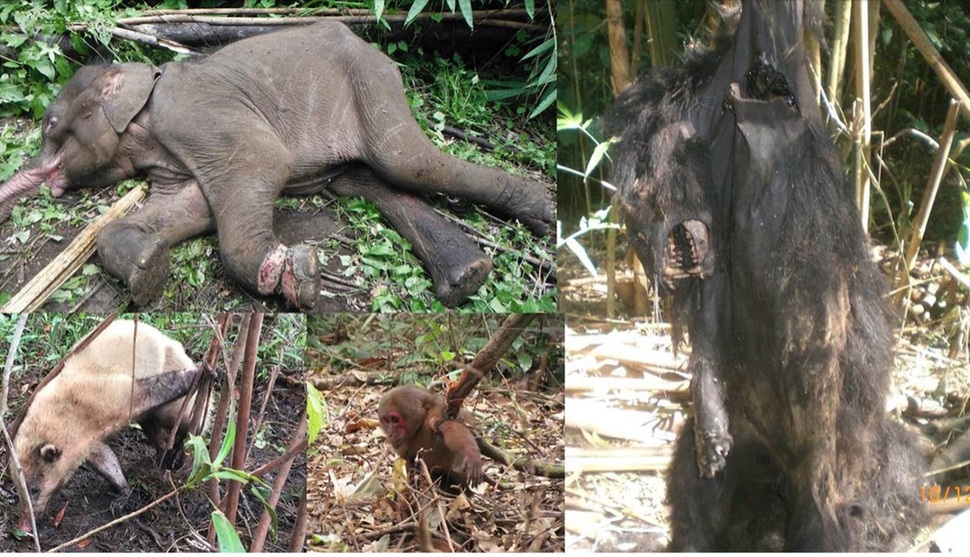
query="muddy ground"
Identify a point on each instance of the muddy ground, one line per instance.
(178, 524)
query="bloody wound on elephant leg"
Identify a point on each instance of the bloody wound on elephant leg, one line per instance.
(415, 424)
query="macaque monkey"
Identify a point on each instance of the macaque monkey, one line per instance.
(413, 420)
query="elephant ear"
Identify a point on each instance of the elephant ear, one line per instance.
(126, 91)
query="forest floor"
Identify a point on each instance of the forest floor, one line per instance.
(627, 399)
(358, 497)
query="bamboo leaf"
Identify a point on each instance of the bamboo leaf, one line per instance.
(415, 11)
(229, 541)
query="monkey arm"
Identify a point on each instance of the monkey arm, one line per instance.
(460, 442)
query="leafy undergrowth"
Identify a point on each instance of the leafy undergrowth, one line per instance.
(628, 431)
(357, 501)
(180, 523)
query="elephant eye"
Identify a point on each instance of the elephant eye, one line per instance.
(51, 123)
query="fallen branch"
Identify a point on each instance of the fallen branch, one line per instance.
(180, 16)
(523, 464)
(486, 359)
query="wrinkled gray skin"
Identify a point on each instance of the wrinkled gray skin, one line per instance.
(221, 138)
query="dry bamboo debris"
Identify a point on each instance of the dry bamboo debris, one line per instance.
(630, 459)
(66, 263)
(595, 417)
(664, 388)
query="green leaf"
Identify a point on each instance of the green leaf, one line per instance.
(598, 153)
(315, 412)
(544, 47)
(229, 440)
(580, 252)
(466, 10)
(567, 120)
(378, 8)
(229, 541)
(545, 103)
(232, 475)
(415, 10)
(261, 494)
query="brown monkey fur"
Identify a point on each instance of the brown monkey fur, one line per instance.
(95, 396)
(413, 420)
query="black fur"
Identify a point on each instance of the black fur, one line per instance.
(790, 448)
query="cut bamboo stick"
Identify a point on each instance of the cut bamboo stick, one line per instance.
(62, 267)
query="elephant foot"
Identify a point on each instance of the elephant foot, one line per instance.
(545, 219)
(462, 282)
(300, 282)
(292, 272)
(529, 201)
(138, 258)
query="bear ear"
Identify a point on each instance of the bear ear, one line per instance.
(50, 453)
(125, 91)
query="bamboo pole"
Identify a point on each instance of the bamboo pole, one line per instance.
(62, 267)
(840, 42)
(862, 156)
(936, 176)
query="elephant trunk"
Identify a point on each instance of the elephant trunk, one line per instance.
(24, 184)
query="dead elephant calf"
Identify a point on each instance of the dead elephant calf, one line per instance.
(220, 139)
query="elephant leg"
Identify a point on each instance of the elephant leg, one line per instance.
(135, 248)
(403, 155)
(457, 266)
(241, 192)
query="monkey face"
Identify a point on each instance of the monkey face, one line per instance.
(395, 426)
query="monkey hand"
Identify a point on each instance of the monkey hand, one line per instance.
(472, 467)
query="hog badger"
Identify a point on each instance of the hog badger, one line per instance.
(95, 395)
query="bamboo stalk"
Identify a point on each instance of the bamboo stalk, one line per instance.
(238, 462)
(840, 42)
(929, 195)
(863, 77)
(62, 267)
(262, 529)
